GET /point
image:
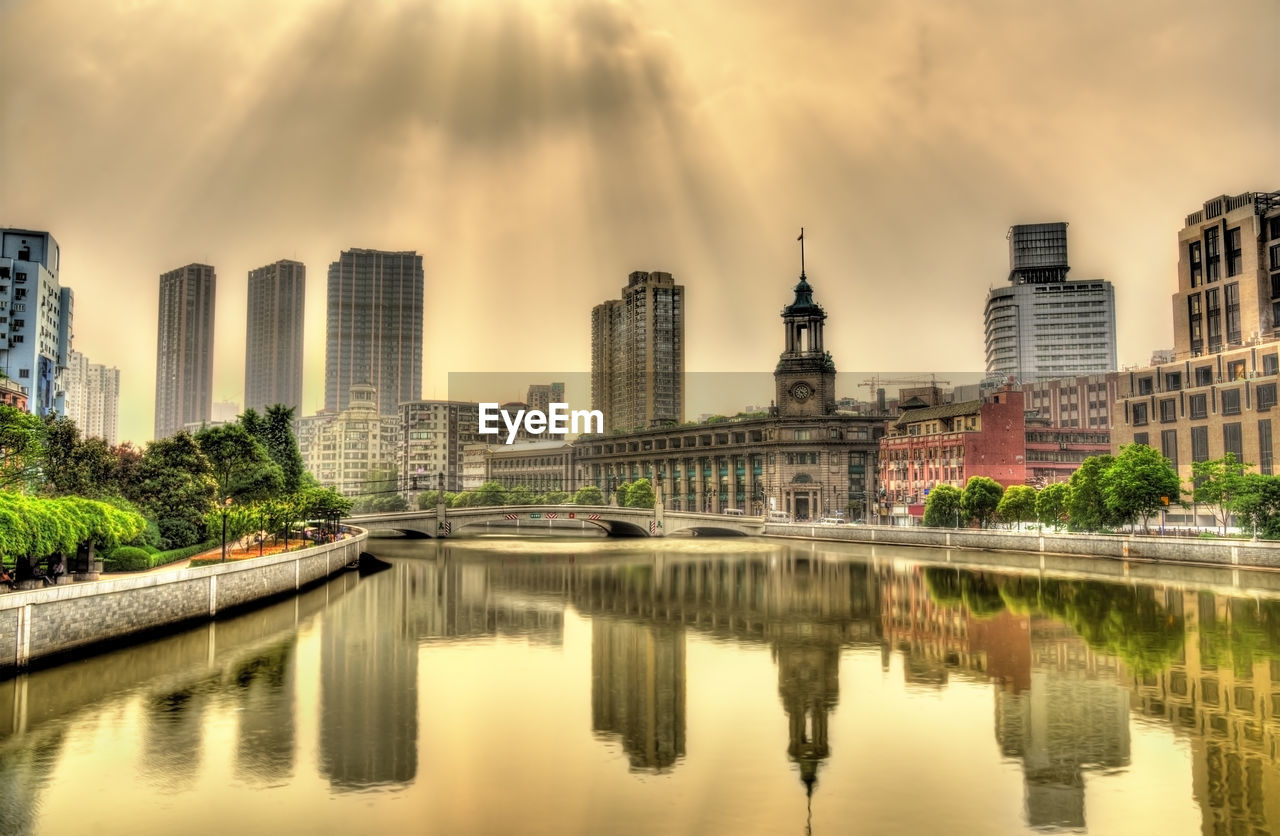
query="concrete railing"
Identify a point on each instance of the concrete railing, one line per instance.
(45, 622)
(1224, 552)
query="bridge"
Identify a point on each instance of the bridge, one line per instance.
(614, 521)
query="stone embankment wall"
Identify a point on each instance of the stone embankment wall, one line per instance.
(45, 622)
(1185, 550)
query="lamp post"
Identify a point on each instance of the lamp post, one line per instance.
(226, 507)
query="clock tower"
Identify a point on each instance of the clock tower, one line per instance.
(805, 377)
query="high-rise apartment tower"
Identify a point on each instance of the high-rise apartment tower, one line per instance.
(35, 318)
(273, 336)
(374, 333)
(184, 349)
(637, 354)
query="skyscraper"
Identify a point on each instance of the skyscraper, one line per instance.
(273, 338)
(374, 333)
(1042, 325)
(637, 354)
(184, 351)
(35, 318)
(93, 397)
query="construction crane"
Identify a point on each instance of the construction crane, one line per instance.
(876, 382)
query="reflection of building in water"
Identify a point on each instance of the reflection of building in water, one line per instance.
(1073, 717)
(481, 599)
(1224, 693)
(808, 659)
(369, 686)
(637, 689)
(264, 688)
(937, 640)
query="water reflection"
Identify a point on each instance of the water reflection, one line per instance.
(1065, 663)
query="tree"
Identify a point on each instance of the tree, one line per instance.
(554, 498)
(1257, 503)
(1051, 504)
(175, 487)
(640, 494)
(520, 495)
(981, 498)
(21, 449)
(429, 499)
(620, 494)
(1018, 504)
(942, 507)
(277, 436)
(1086, 506)
(76, 466)
(463, 500)
(588, 495)
(240, 464)
(1138, 483)
(489, 493)
(1217, 483)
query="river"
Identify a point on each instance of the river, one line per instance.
(680, 686)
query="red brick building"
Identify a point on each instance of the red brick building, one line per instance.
(11, 394)
(928, 446)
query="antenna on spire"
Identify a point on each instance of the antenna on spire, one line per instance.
(801, 240)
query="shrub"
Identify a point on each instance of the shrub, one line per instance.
(127, 559)
(174, 555)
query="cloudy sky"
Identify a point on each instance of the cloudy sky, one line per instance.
(537, 152)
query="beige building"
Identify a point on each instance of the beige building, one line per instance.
(273, 336)
(1218, 394)
(637, 354)
(432, 436)
(538, 465)
(93, 397)
(343, 450)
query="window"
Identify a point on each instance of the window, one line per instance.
(1172, 381)
(1266, 396)
(1199, 444)
(1232, 294)
(1169, 446)
(1270, 363)
(1142, 438)
(1145, 385)
(1235, 262)
(1168, 411)
(1230, 401)
(1231, 440)
(1264, 446)
(1204, 375)
(24, 373)
(1275, 265)
(1212, 255)
(1197, 266)
(1235, 370)
(1213, 311)
(1139, 415)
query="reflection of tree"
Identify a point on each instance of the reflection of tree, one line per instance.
(174, 731)
(1123, 621)
(265, 691)
(1252, 632)
(24, 775)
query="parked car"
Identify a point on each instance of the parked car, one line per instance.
(833, 521)
(733, 512)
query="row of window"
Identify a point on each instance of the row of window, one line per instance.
(1232, 442)
(1226, 402)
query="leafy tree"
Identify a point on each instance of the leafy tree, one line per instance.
(429, 499)
(1217, 483)
(942, 507)
(588, 495)
(175, 487)
(640, 494)
(1087, 508)
(1051, 504)
(240, 463)
(463, 500)
(277, 436)
(520, 495)
(620, 494)
(241, 519)
(1257, 502)
(21, 449)
(379, 493)
(76, 466)
(554, 498)
(981, 498)
(317, 503)
(1138, 483)
(489, 493)
(1018, 504)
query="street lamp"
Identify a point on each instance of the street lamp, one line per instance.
(226, 507)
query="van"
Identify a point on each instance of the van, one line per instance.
(832, 521)
(733, 512)
(779, 517)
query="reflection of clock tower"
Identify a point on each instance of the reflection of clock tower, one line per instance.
(806, 375)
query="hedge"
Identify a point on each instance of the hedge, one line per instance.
(136, 558)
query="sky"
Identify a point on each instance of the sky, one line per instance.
(535, 153)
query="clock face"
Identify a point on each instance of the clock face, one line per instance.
(801, 391)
